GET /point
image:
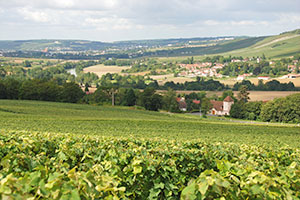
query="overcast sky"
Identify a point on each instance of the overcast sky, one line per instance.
(114, 20)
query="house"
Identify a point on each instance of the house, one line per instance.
(181, 103)
(263, 78)
(221, 107)
(240, 78)
(292, 68)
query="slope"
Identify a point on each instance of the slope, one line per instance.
(285, 44)
(51, 117)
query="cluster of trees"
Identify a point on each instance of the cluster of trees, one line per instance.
(40, 90)
(202, 102)
(273, 85)
(148, 98)
(199, 84)
(279, 110)
(141, 82)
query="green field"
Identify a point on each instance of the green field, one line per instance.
(72, 151)
(123, 121)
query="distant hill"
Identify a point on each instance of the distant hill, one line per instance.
(85, 45)
(282, 45)
(36, 45)
(285, 44)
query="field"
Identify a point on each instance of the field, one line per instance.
(162, 79)
(274, 46)
(72, 151)
(232, 81)
(102, 69)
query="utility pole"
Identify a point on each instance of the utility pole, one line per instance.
(113, 97)
(200, 111)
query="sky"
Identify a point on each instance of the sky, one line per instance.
(116, 20)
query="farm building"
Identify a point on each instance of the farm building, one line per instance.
(182, 104)
(263, 78)
(221, 107)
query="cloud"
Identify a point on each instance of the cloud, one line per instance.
(136, 19)
(107, 23)
(37, 16)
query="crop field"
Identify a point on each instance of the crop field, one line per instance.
(72, 151)
(102, 69)
(232, 81)
(162, 79)
(253, 95)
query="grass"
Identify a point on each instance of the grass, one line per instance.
(48, 117)
(273, 47)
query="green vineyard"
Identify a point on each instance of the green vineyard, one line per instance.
(71, 151)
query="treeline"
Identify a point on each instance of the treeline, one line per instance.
(199, 84)
(140, 82)
(273, 85)
(148, 98)
(279, 110)
(58, 73)
(42, 90)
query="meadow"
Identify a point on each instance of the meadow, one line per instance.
(72, 151)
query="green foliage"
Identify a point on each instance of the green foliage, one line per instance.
(243, 94)
(71, 93)
(150, 100)
(169, 101)
(238, 110)
(67, 166)
(282, 109)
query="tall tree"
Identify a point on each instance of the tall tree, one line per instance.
(243, 94)
(129, 98)
(169, 101)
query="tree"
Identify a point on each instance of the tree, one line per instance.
(253, 110)
(205, 105)
(26, 63)
(71, 92)
(238, 110)
(12, 88)
(2, 91)
(149, 100)
(243, 95)
(169, 101)
(129, 98)
(282, 109)
(86, 87)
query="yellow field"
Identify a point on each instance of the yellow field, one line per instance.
(162, 79)
(102, 69)
(232, 81)
(254, 95)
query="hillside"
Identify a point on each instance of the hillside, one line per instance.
(122, 121)
(285, 44)
(86, 45)
(71, 151)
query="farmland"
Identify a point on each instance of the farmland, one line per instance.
(102, 69)
(57, 150)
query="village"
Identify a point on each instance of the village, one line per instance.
(209, 69)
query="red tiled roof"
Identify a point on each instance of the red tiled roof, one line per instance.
(218, 105)
(228, 99)
(196, 101)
